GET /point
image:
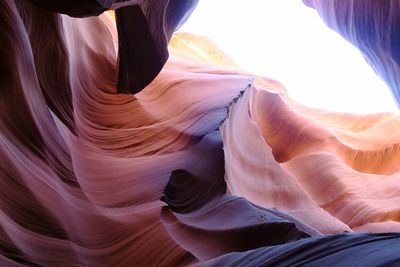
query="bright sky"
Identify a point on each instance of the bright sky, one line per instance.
(287, 41)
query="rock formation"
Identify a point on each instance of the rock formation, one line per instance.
(372, 26)
(202, 164)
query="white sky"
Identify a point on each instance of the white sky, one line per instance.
(287, 41)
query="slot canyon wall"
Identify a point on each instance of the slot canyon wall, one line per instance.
(117, 150)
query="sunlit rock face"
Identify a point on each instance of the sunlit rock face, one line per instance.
(335, 172)
(206, 165)
(373, 27)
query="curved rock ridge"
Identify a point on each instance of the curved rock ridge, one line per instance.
(139, 59)
(206, 165)
(330, 250)
(373, 27)
(289, 159)
(82, 168)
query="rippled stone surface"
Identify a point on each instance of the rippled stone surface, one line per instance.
(207, 165)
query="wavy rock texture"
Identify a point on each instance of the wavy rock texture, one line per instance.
(83, 169)
(372, 26)
(335, 172)
(331, 250)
